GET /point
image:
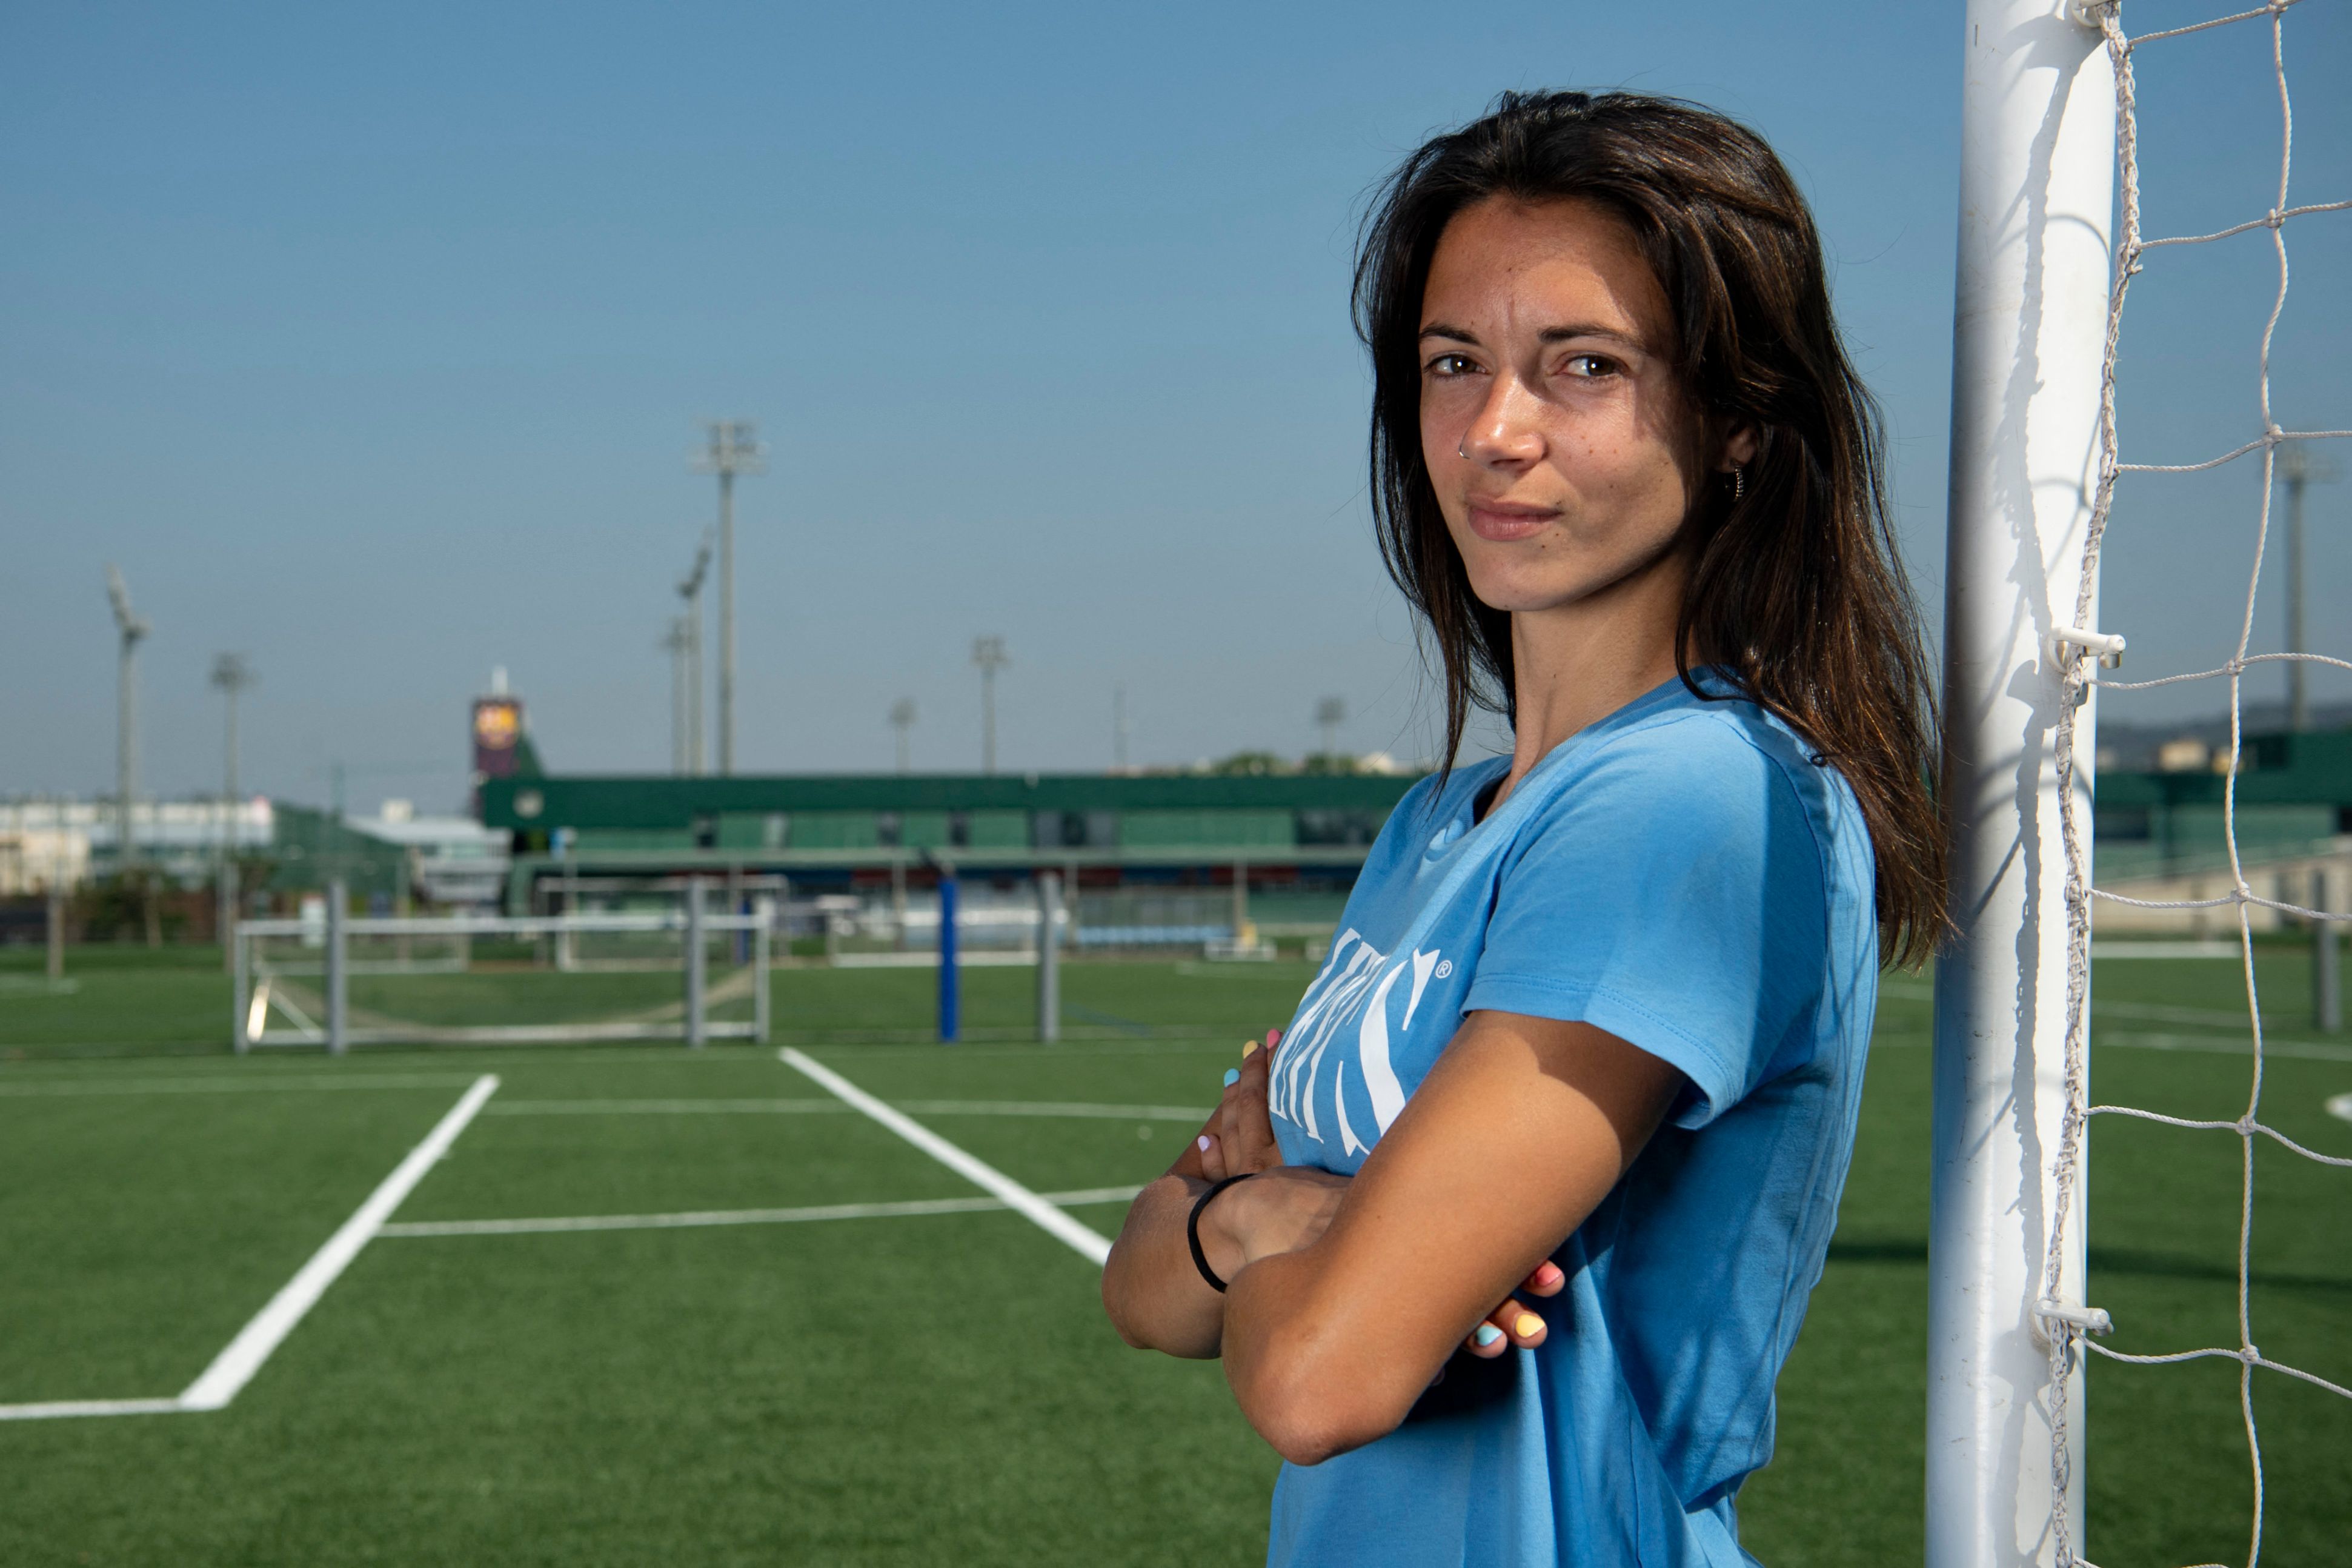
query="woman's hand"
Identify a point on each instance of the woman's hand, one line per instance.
(1239, 1138)
(1511, 1324)
(1240, 1227)
(1155, 1297)
(1516, 1134)
(1280, 1210)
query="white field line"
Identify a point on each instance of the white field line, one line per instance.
(234, 1366)
(1093, 1246)
(54, 1408)
(227, 1084)
(2233, 1018)
(823, 1107)
(665, 1107)
(2220, 1045)
(2165, 950)
(695, 1220)
(1192, 1113)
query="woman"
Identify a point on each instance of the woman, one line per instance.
(1592, 1029)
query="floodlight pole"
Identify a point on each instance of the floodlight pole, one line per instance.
(989, 654)
(129, 629)
(1329, 714)
(689, 590)
(673, 642)
(734, 448)
(902, 718)
(2297, 468)
(2037, 188)
(232, 675)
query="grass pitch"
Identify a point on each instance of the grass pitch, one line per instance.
(941, 1387)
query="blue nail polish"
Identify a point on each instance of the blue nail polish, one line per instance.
(1488, 1336)
(1232, 1076)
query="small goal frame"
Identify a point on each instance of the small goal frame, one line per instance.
(251, 1000)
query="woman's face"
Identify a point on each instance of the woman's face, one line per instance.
(1563, 452)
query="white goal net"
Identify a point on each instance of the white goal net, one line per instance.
(662, 974)
(2052, 202)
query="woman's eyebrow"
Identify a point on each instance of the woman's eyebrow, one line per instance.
(1587, 330)
(1559, 334)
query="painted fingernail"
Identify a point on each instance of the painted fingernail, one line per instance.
(1486, 1336)
(1202, 1143)
(1550, 1275)
(1232, 1076)
(1273, 1039)
(1527, 1326)
(1248, 1049)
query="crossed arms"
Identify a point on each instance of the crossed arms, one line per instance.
(1348, 1295)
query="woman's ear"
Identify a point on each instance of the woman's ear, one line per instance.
(1740, 445)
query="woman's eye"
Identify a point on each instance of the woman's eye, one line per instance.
(1451, 364)
(1591, 367)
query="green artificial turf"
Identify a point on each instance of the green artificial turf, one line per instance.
(943, 1388)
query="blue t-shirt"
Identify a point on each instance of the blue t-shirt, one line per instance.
(1684, 875)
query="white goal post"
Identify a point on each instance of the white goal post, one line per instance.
(266, 982)
(2050, 237)
(2037, 192)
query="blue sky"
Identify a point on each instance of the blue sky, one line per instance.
(370, 343)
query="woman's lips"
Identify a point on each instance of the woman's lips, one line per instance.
(1505, 524)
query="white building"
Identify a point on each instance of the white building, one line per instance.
(69, 841)
(451, 860)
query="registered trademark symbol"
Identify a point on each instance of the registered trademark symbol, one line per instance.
(1444, 967)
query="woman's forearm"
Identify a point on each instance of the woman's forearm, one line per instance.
(1156, 1297)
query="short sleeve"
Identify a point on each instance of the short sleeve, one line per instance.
(1674, 895)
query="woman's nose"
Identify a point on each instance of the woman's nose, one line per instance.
(1504, 433)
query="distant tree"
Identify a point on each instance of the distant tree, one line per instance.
(1250, 764)
(1330, 763)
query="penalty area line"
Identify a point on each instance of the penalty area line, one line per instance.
(1088, 1243)
(698, 1220)
(234, 1367)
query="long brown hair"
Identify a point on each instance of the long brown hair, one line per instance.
(1797, 592)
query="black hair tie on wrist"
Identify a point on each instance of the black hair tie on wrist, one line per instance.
(1192, 1230)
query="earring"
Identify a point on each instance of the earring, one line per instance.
(1738, 485)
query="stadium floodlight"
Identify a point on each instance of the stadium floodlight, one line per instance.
(902, 718)
(989, 654)
(1329, 714)
(231, 674)
(1119, 727)
(689, 590)
(674, 643)
(131, 628)
(2298, 467)
(734, 448)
